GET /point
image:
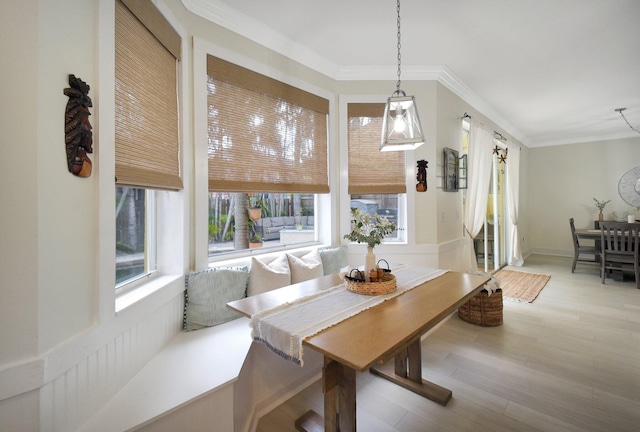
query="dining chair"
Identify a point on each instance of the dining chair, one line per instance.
(579, 250)
(619, 241)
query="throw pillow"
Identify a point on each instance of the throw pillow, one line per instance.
(266, 277)
(306, 267)
(209, 291)
(334, 259)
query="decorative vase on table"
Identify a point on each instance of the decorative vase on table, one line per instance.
(369, 262)
(600, 217)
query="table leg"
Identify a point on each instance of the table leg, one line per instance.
(407, 372)
(339, 388)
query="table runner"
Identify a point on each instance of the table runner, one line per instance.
(283, 328)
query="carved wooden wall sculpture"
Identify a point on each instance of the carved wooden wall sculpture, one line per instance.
(78, 135)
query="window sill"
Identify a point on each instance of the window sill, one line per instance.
(134, 296)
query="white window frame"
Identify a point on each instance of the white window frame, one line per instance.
(405, 206)
(171, 207)
(325, 204)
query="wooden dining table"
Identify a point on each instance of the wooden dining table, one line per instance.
(596, 234)
(370, 339)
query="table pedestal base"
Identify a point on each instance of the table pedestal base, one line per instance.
(339, 388)
(407, 372)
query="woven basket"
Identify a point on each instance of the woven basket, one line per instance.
(388, 285)
(483, 309)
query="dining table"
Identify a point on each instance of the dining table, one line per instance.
(384, 339)
(596, 235)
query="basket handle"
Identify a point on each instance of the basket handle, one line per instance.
(359, 277)
(388, 269)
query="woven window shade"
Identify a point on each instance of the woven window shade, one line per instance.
(264, 135)
(147, 143)
(370, 170)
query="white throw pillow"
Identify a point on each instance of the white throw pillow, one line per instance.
(306, 267)
(266, 277)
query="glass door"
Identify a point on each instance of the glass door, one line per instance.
(494, 232)
(490, 243)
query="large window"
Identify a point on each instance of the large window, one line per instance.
(147, 143)
(265, 220)
(267, 150)
(377, 181)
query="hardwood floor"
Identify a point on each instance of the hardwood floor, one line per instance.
(569, 361)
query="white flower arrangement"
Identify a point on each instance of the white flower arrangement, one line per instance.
(369, 229)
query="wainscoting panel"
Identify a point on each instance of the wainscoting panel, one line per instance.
(73, 397)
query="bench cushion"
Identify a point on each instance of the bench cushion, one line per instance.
(209, 291)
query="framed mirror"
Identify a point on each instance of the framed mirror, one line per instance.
(450, 170)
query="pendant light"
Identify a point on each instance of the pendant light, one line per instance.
(401, 128)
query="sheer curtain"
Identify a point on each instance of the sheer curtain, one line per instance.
(479, 178)
(513, 196)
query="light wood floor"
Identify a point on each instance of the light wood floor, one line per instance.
(569, 361)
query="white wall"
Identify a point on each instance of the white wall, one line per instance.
(562, 182)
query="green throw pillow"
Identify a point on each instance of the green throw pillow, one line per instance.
(208, 292)
(334, 259)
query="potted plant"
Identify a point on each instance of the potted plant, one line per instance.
(255, 207)
(255, 238)
(601, 205)
(370, 230)
(255, 241)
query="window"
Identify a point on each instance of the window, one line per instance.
(377, 181)
(147, 144)
(135, 233)
(266, 220)
(267, 148)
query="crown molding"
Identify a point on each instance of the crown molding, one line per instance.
(261, 34)
(542, 142)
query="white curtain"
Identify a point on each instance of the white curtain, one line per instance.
(479, 179)
(513, 196)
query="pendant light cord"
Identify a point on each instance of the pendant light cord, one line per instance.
(625, 119)
(399, 58)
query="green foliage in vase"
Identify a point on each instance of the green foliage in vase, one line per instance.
(369, 229)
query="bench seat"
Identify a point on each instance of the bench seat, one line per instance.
(190, 366)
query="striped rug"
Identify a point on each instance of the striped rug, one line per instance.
(520, 286)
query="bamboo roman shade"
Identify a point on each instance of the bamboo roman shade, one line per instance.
(372, 171)
(147, 142)
(264, 135)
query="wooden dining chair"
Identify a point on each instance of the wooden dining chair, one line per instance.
(619, 252)
(580, 251)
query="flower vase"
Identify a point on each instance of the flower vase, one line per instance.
(600, 217)
(369, 263)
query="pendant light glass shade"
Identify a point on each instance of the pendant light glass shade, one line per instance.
(401, 128)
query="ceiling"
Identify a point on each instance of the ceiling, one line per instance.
(548, 72)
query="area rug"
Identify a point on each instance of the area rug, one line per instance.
(520, 286)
